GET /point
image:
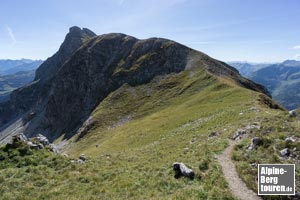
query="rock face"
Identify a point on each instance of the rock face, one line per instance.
(86, 68)
(35, 95)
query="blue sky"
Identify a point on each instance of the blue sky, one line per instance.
(245, 30)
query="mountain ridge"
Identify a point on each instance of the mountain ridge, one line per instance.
(87, 68)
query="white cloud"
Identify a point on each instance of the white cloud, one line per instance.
(296, 47)
(11, 35)
(297, 56)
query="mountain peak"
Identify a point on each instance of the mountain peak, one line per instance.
(291, 63)
(73, 40)
(84, 31)
(74, 29)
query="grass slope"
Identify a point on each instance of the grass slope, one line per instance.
(135, 135)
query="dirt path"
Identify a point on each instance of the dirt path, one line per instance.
(236, 185)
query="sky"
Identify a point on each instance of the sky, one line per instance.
(228, 30)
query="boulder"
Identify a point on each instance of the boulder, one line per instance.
(290, 139)
(21, 137)
(285, 152)
(53, 148)
(254, 143)
(34, 146)
(82, 157)
(214, 134)
(42, 139)
(79, 161)
(294, 113)
(181, 169)
(253, 164)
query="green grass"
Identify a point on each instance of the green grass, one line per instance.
(136, 135)
(275, 128)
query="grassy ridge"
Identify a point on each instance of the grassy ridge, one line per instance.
(136, 134)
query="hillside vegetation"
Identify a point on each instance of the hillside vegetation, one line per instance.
(134, 136)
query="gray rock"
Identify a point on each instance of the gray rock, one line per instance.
(285, 152)
(254, 125)
(42, 139)
(254, 164)
(254, 143)
(82, 157)
(238, 134)
(40, 145)
(214, 134)
(21, 137)
(294, 113)
(53, 148)
(79, 161)
(291, 139)
(295, 149)
(34, 146)
(181, 169)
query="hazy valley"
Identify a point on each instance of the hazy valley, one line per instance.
(281, 79)
(15, 74)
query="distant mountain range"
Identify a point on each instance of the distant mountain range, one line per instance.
(281, 79)
(8, 66)
(15, 74)
(246, 68)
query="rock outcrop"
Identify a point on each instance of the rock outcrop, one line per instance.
(33, 96)
(38, 142)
